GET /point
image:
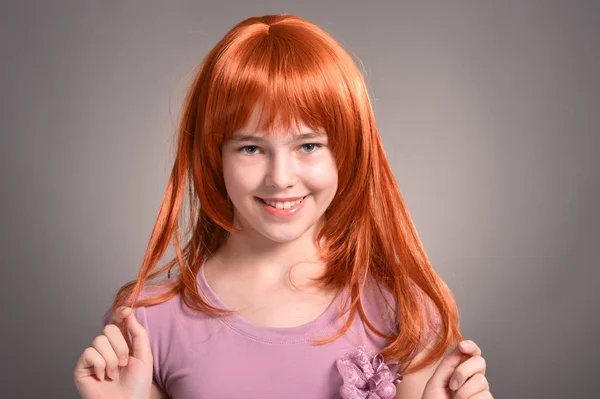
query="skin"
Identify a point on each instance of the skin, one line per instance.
(265, 272)
(464, 364)
(291, 164)
(273, 252)
(460, 375)
(114, 366)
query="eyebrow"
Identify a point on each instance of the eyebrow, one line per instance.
(259, 139)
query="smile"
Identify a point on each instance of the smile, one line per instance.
(287, 204)
(280, 208)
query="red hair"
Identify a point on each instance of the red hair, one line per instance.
(297, 72)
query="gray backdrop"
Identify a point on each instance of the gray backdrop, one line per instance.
(489, 113)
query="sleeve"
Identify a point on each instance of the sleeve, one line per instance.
(141, 316)
(381, 307)
(431, 325)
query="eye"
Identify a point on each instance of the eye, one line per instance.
(249, 149)
(310, 147)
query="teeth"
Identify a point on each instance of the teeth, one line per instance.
(283, 205)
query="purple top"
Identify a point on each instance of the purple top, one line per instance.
(201, 356)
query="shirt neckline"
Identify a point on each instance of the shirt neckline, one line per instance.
(274, 335)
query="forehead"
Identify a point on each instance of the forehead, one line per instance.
(253, 130)
(264, 120)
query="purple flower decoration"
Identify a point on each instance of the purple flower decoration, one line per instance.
(366, 376)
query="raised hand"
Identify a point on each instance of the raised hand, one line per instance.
(458, 379)
(115, 366)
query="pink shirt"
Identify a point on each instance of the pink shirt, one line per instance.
(204, 357)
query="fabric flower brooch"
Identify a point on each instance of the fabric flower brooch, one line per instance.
(367, 376)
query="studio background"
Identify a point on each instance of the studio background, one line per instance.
(489, 113)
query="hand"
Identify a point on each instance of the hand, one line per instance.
(114, 366)
(458, 379)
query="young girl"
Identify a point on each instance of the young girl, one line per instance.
(300, 273)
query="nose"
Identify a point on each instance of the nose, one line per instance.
(281, 172)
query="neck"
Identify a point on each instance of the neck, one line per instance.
(258, 258)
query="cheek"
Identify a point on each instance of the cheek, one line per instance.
(240, 178)
(321, 176)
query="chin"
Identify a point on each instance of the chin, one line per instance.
(280, 236)
(284, 233)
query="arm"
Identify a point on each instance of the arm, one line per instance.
(157, 393)
(413, 385)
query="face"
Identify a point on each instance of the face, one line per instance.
(280, 186)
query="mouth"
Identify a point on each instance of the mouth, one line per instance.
(284, 203)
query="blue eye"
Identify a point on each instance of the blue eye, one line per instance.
(249, 149)
(310, 147)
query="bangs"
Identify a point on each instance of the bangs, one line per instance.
(288, 72)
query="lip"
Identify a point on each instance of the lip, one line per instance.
(282, 199)
(282, 213)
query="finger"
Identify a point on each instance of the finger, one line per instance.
(441, 376)
(101, 344)
(465, 370)
(90, 358)
(118, 316)
(470, 348)
(474, 385)
(482, 395)
(139, 339)
(118, 319)
(118, 343)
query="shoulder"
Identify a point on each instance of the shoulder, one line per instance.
(431, 324)
(382, 307)
(144, 314)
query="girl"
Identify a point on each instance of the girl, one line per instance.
(300, 273)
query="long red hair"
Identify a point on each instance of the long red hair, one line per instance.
(298, 73)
